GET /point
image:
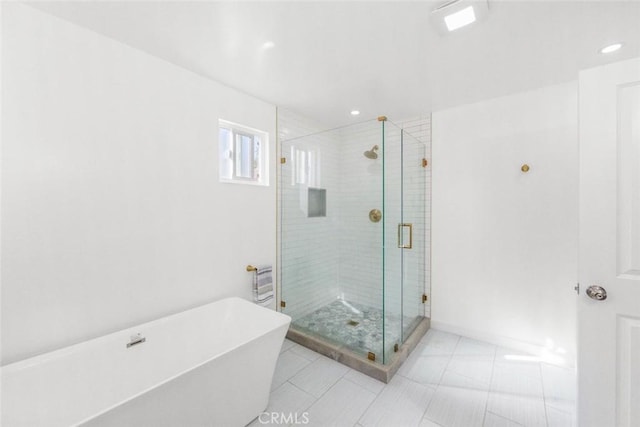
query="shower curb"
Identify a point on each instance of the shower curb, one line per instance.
(355, 361)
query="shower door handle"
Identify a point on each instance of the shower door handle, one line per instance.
(401, 234)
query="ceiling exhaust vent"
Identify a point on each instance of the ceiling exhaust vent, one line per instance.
(457, 14)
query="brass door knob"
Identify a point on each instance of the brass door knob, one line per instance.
(525, 168)
(375, 215)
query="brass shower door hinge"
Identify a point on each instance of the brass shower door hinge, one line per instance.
(283, 160)
(371, 356)
(425, 162)
(395, 348)
(424, 298)
(283, 304)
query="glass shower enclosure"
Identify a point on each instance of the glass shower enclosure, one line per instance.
(353, 237)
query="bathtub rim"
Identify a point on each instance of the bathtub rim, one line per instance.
(282, 321)
(70, 349)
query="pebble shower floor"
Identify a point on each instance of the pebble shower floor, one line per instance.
(355, 326)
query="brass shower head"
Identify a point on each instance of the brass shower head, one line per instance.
(371, 154)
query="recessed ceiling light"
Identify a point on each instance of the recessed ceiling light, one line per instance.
(355, 112)
(460, 18)
(611, 48)
(268, 44)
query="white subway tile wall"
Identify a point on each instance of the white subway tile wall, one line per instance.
(341, 255)
(360, 240)
(308, 246)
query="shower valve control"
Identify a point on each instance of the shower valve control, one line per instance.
(375, 215)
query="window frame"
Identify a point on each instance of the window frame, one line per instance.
(227, 152)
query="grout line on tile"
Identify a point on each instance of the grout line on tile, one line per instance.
(493, 370)
(353, 382)
(409, 379)
(332, 385)
(424, 417)
(544, 397)
(305, 408)
(439, 378)
(501, 417)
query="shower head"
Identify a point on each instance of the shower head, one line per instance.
(371, 154)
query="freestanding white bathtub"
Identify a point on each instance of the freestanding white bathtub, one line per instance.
(208, 366)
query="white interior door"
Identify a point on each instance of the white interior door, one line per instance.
(609, 329)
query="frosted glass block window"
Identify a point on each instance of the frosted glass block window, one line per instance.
(243, 154)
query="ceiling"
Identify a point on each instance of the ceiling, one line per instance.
(382, 58)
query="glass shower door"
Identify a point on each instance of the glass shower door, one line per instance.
(393, 235)
(413, 251)
(404, 236)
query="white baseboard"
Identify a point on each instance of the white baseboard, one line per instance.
(544, 354)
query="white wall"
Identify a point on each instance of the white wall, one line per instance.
(504, 241)
(112, 213)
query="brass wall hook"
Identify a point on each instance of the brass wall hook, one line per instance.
(251, 268)
(525, 168)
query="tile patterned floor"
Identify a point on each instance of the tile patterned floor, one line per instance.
(447, 381)
(356, 326)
